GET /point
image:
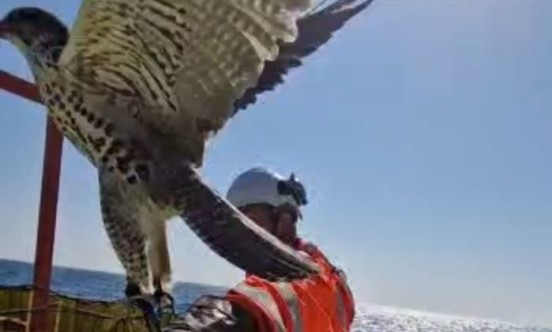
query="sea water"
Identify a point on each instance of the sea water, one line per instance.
(107, 286)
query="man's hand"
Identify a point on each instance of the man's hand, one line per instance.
(310, 247)
(212, 314)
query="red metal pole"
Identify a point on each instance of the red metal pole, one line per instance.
(44, 251)
(19, 87)
(48, 203)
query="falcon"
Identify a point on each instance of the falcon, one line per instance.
(140, 87)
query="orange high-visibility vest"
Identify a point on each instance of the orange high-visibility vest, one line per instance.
(322, 303)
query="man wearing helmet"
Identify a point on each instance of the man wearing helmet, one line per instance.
(318, 304)
(271, 201)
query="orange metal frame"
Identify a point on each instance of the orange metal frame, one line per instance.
(44, 249)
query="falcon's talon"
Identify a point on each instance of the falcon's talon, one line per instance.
(132, 290)
(146, 304)
(165, 302)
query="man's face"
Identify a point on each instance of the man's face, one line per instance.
(280, 222)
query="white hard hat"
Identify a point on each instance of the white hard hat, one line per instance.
(259, 185)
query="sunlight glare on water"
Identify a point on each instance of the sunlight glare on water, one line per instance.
(369, 318)
(380, 319)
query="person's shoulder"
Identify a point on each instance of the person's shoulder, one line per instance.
(314, 250)
(309, 247)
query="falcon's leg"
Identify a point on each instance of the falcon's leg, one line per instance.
(160, 262)
(120, 219)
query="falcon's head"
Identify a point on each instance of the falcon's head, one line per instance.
(37, 33)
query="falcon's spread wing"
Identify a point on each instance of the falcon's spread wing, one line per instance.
(315, 29)
(189, 60)
(185, 62)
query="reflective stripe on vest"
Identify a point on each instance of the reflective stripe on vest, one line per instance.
(292, 301)
(341, 311)
(265, 301)
(342, 286)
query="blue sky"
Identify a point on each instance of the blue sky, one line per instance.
(422, 132)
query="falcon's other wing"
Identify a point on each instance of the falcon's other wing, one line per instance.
(315, 29)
